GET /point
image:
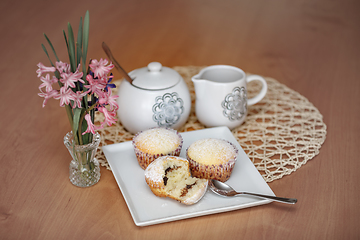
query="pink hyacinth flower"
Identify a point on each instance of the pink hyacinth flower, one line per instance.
(65, 96)
(78, 98)
(69, 79)
(91, 126)
(99, 68)
(43, 69)
(47, 82)
(47, 96)
(63, 67)
(108, 99)
(109, 116)
(94, 85)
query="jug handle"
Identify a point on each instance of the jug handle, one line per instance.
(262, 92)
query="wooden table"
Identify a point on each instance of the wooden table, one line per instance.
(310, 46)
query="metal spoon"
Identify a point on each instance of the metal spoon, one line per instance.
(116, 64)
(225, 190)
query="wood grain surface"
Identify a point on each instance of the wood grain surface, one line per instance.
(310, 46)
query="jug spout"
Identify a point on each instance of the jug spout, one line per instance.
(200, 85)
(195, 79)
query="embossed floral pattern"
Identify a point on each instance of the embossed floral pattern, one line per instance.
(167, 109)
(234, 104)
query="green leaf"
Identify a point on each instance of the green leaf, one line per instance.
(71, 48)
(69, 113)
(87, 136)
(79, 43)
(78, 50)
(67, 44)
(52, 47)
(57, 75)
(85, 39)
(76, 120)
(44, 48)
(92, 112)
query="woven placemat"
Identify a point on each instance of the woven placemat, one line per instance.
(281, 132)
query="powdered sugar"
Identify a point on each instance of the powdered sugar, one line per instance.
(155, 171)
(212, 151)
(158, 140)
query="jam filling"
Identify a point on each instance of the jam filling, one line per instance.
(186, 190)
(165, 180)
(169, 169)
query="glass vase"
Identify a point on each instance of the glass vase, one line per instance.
(84, 168)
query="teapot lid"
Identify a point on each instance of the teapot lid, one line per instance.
(155, 77)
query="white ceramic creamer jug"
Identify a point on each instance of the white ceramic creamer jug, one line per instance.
(221, 96)
(157, 97)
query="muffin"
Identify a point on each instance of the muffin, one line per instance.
(156, 142)
(170, 176)
(212, 158)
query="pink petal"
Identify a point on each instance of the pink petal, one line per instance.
(43, 69)
(91, 126)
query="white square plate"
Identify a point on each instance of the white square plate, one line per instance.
(148, 209)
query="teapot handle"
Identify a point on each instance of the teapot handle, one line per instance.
(263, 90)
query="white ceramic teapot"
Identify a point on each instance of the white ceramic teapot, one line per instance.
(157, 96)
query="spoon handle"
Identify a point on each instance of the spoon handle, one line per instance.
(116, 64)
(277, 199)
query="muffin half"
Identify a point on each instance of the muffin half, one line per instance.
(170, 176)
